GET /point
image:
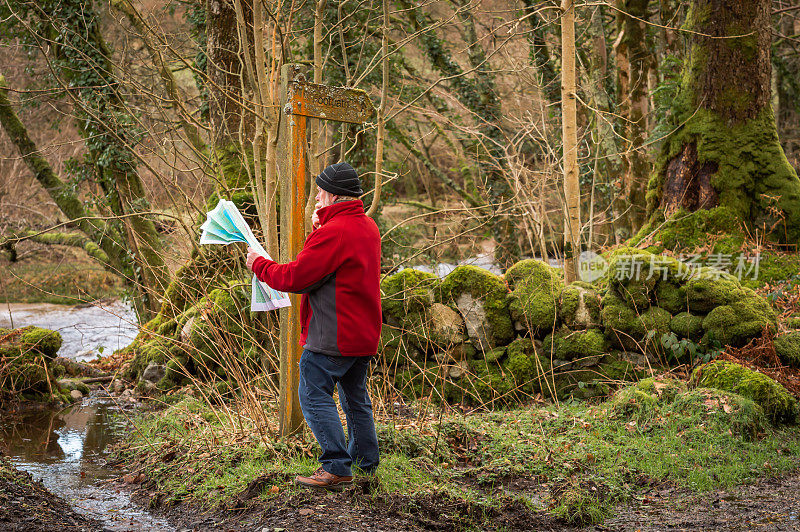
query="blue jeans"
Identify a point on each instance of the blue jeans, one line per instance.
(319, 374)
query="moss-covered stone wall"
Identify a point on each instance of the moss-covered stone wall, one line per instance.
(480, 338)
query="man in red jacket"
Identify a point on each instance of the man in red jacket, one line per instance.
(338, 273)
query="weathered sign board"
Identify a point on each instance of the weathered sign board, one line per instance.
(303, 100)
(340, 104)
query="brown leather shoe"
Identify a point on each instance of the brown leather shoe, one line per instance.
(321, 479)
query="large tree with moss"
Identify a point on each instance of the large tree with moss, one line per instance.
(724, 151)
(119, 231)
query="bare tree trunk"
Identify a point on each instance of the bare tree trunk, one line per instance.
(572, 196)
(376, 195)
(608, 164)
(632, 70)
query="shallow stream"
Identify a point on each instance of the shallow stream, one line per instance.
(68, 449)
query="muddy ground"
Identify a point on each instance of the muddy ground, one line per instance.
(26, 506)
(770, 504)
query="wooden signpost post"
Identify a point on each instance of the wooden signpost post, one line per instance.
(303, 100)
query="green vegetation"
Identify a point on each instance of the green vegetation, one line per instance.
(776, 401)
(699, 439)
(535, 290)
(788, 348)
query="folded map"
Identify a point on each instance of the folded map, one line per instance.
(225, 225)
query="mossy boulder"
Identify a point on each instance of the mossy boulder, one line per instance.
(632, 275)
(30, 339)
(535, 292)
(739, 321)
(777, 402)
(687, 325)
(566, 344)
(42, 341)
(709, 288)
(671, 296)
(408, 291)
(787, 346)
(26, 359)
(482, 299)
(580, 306)
(628, 330)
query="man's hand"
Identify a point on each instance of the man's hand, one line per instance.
(251, 257)
(315, 217)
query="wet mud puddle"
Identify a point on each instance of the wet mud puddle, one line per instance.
(67, 450)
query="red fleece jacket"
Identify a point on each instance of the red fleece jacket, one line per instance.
(338, 273)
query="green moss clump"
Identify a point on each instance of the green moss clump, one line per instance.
(788, 348)
(671, 296)
(535, 291)
(580, 306)
(42, 341)
(632, 274)
(570, 345)
(487, 290)
(619, 320)
(793, 322)
(737, 323)
(524, 366)
(711, 288)
(777, 402)
(686, 325)
(691, 230)
(408, 291)
(654, 320)
(627, 330)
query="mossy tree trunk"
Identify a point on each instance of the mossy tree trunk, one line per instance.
(232, 125)
(82, 66)
(725, 150)
(221, 63)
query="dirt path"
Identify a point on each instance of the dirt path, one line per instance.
(26, 506)
(770, 504)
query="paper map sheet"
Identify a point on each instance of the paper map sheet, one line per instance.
(225, 225)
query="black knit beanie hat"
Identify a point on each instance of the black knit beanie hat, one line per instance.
(340, 179)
